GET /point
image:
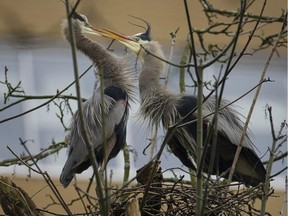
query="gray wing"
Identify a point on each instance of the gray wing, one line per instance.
(249, 169)
(78, 160)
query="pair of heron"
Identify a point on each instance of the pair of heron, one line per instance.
(158, 105)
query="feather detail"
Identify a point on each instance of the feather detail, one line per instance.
(158, 104)
(117, 76)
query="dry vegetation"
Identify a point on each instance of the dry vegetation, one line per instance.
(154, 195)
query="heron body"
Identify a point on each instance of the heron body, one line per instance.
(171, 108)
(249, 168)
(118, 89)
(160, 105)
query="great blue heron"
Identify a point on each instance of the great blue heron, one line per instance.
(118, 89)
(161, 105)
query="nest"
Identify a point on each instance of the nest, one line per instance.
(162, 197)
(178, 197)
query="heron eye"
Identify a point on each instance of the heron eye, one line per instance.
(82, 18)
(136, 38)
(86, 23)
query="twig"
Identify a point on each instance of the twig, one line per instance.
(173, 36)
(153, 142)
(47, 179)
(194, 53)
(52, 149)
(282, 156)
(285, 200)
(269, 165)
(199, 142)
(126, 154)
(183, 62)
(168, 135)
(45, 103)
(253, 104)
(226, 13)
(80, 110)
(23, 162)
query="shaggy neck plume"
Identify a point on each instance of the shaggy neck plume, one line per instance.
(156, 101)
(114, 70)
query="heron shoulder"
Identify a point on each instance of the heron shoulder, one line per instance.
(116, 93)
(186, 104)
(112, 95)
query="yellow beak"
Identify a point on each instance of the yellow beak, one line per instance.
(128, 41)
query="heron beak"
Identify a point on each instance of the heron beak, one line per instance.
(128, 41)
(89, 29)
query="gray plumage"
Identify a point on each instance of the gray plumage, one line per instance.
(118, 90)
(158, 104)
(161, 105)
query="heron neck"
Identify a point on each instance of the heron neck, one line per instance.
(113, 70)
(156, 100)
(100, 57)
(153, 67)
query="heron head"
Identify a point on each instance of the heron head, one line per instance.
(144, 36)
(134, 42)
(84, 24)
(139, 39)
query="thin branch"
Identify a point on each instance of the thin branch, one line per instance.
(253, 103)
(80, 110)
(173, 36)
(191, 38)
(269, 165)
(226, 13)
(48, 180)
(282, 156)
(52, 149)
(47, 102)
